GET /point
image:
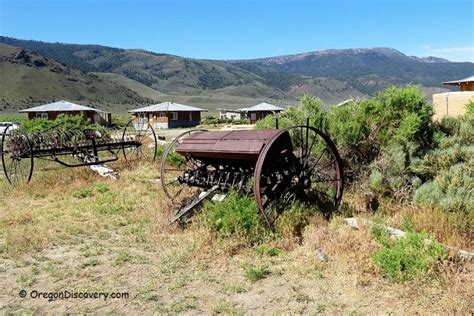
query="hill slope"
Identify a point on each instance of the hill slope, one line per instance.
(29, 78)
(166, 73)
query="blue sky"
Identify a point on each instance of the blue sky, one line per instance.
(230, 29)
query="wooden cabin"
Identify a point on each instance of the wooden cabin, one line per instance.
(260, 111)
(453, 103)
(466, 84)
(51, 111)
(169, 115)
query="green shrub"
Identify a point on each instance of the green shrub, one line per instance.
(469, 109)
(390, 142)
(362, 129)
(403, 113)
(440, 160)
(389, 174)
(377, 182)
(63, 121)
(413, 256)
(350, 129)
(450, 125)
(236, 216)
(466, 128)
(451, 191)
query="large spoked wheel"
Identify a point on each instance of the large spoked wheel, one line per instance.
(174, 167)
(140, 141)
(17, 155)
(300, 164)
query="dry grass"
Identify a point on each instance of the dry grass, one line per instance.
(70, 229)
(441, 225)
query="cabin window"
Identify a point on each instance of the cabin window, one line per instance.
(162, 114)
(42, 115)
(253, 116)
(174, 116)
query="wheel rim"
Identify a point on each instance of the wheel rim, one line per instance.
(310, 173)
(144, 135)
(173, 165)
(17, 157)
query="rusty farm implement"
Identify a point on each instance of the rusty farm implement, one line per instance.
(279, 167)
(73, 148)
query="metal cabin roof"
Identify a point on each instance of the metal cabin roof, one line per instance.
(457, 82)
(60, 106)
(262, 107)
(168, 106)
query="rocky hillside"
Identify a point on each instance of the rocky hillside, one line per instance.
(29, 78)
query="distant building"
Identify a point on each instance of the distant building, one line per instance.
(169, 115)
(453, 103)
(230, 114)
(466, 84)
(260, 111)
(51, 111)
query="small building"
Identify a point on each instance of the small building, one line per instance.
(453, 103)
(169, 115)
(466, 84)
(51, 111)
(260, 111)
(230, 114)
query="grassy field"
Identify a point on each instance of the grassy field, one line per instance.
(72, 230)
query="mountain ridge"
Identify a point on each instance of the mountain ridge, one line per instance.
(333, 74)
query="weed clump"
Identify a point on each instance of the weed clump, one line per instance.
(236, 216)
(291, 223)
(264, 250)
(83, 193)
(102, 187)
(254, 273)
(413, 256)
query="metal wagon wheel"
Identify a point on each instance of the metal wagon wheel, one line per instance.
(17, 155)
(309, 172)
(173, 166)
(144, 141)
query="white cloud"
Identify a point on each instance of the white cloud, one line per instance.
(459, 53)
